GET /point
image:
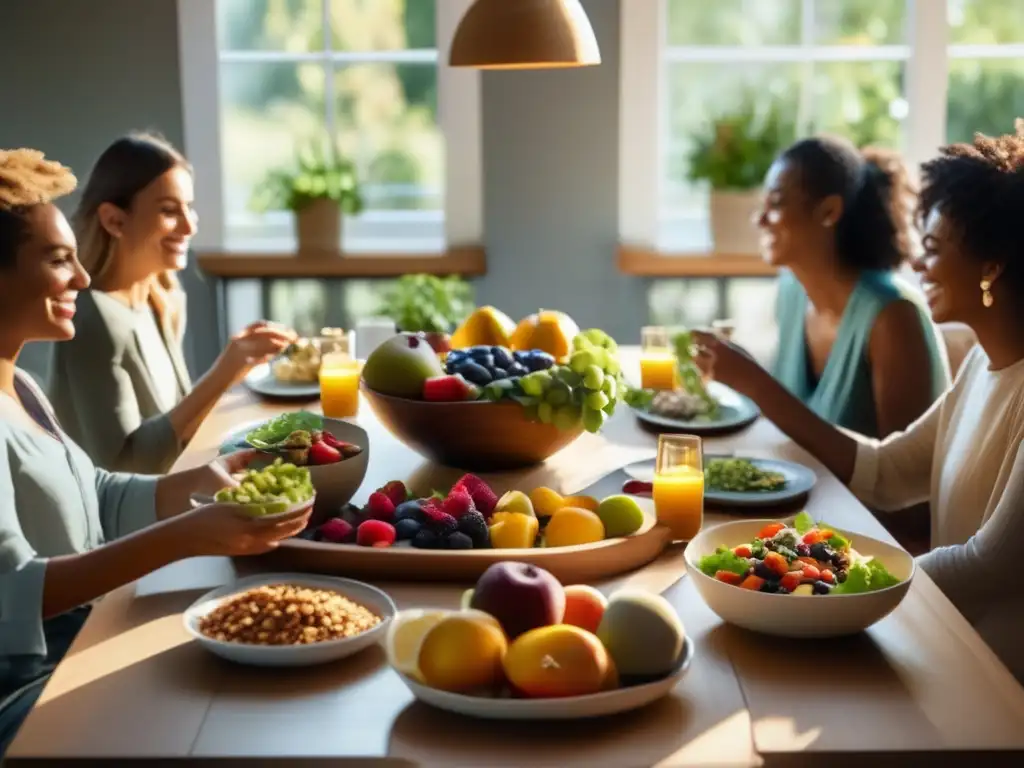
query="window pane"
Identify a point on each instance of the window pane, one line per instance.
(862, 100)
(265, 110)
(383, 25)
(387, 121)
(750, 304)
(859, 22)
(986, 21)
(733, 22)
(362, 300)
(300, 304)
(683, 302)
(270, 25)
(985, 95)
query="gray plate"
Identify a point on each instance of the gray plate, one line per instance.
(734, 413)
(799, 482)
(262, 381)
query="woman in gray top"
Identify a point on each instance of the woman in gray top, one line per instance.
(121, 387)
(70, 532)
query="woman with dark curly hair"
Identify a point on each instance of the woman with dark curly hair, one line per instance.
(855, 343)
(965, 454)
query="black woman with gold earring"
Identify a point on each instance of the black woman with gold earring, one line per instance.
(965, 454)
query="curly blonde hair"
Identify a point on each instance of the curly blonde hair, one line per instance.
(27, 179)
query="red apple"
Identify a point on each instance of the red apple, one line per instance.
(520, 596)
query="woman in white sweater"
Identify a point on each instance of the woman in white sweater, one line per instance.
(965, 454)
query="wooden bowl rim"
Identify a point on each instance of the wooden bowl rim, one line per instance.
(437, 403)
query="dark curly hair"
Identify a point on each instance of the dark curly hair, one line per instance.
(875, 230)
(27, 179)
(979, 187)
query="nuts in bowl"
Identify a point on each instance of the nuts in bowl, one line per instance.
(290, 619)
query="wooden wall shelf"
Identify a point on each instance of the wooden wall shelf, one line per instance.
(467, 261)
(647, 262)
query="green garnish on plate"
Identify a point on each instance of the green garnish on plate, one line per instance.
(741, 476)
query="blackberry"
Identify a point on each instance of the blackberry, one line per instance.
(426, 539)
(440, 522)
(407, 528)
(409, 510)
(458, 540)
(474, 526)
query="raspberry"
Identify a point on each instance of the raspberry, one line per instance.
(475, 526)
(426, 539)
(439, 520)
(406, 528)
(375, 533)
(337, 531)
(380, 507)
(458, 503)
(483, 497)
(458, 541)
(395, 490)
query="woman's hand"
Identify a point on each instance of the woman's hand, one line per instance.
(256, 343)
(224, 529)
(727, 362)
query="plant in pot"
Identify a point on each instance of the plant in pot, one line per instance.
(733, 154)
(318, 189)
(430, 305)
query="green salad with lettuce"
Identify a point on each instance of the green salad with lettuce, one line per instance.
(277, 430)
(807, 558)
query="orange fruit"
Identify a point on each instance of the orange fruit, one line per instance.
(463, 652)
(556, 661)
(583, 502)
(570, 526)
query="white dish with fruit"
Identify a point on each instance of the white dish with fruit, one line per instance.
(289, 619)
(523, 646)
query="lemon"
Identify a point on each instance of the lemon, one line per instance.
(405, 637)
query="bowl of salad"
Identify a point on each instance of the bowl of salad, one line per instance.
(797, 578)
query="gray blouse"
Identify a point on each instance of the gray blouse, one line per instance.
(106, 392)
(53, 501)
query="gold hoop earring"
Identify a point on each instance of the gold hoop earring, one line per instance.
(986, 293)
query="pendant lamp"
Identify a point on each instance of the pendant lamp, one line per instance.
(524, 34)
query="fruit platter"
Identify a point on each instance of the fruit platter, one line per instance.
(457, 533)
(491, 407)
(523, 646)
(694, 406)
(332, 452)
(798, 577)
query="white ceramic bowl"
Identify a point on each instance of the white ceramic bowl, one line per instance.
(568, 708)
(796, 615)
(293, 655)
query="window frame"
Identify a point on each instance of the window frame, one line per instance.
(459, 223)
(643, 224)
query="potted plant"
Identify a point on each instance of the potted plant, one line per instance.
(733, 154)
(428, 304)
(320, 187)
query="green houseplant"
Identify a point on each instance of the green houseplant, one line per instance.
(732, 154)
(318, 189)
(428, 304)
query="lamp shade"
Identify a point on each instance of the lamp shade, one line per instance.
(524, 34)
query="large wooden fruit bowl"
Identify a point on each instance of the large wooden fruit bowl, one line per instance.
(477, 436)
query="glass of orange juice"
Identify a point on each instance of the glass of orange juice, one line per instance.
(657, 359)
(339, 378)
(679, 485)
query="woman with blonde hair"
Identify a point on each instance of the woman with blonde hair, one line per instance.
(121, 387)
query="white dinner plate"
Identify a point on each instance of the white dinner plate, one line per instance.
(293, 655)
(262, 381)
(567, 708)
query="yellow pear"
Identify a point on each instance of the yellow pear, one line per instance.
(487, 325)
(515, 501)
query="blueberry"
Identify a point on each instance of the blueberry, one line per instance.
(517, 369)
(770, 586)
(406, 529)
(426, 539)
(820, 551)
(821, 588)
(762, 570)
(502, 357)
(540, 361)
(458, 540)
(455, 355)
(498, 373)
(409, 510)
(478, 351)
(474, 373)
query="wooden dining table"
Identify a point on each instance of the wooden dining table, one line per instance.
(917, 688)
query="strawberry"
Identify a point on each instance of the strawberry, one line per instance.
(396, 491)
(458, 503)
(322, 453)
(347, 450)
(380, 507)
(483, 497)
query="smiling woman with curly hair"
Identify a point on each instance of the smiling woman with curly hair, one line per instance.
(965, 455)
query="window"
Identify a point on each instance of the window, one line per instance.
(261, 76)
(889, 72)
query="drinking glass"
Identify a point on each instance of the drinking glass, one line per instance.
(339, 378)
(657, 359)
(679, 485)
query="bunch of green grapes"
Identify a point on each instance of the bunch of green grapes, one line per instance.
(586, 388)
